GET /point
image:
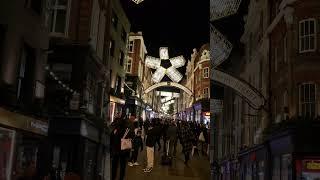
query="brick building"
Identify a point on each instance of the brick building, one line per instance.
(280, 61)
(119, 31)
(135, 67)
(77, 86)
(202, 84)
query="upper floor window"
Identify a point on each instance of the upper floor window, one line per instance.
(285, 55)
(60, 17)
(131, 46)
(129, 65)
(307, 99)
(206, 92)
(276, 59)
(206, 72)
(307, 35)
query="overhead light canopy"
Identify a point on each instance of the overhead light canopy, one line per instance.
(168, 94)
(178, 61)
(174, 74)
(222, 8)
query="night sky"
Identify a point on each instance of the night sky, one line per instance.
(180, 25)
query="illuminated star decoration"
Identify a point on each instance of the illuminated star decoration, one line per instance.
(137, 1)
(171, 72)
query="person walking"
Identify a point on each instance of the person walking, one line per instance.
(137, 144)
(172, 134)
(150, 143)
(119, 129)
(186, 138)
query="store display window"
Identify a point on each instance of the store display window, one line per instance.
(7, 138)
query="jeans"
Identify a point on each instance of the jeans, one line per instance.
(114, 166)
(150, 157)
(134, 155)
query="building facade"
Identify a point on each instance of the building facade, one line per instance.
(202, 85)
(275, 142)
(77, 94)
(120, 28)
(24, 123)
(135, 105)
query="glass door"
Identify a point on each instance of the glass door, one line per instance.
(7, 140)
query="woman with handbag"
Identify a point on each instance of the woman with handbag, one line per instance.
(120, 141)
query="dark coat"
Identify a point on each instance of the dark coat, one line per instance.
(186, 139)
(117, 134)
(172, 133)
(151, 137)
(137, 143)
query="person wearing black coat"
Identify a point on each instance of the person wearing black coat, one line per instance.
(150, 143)
(117, 155)
(137, 144)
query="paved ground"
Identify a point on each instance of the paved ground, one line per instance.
(199, 169)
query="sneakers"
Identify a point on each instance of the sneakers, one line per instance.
(147, 170)
(130, 164)
(136, 164)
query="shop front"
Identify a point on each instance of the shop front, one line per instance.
(253, 163)
(201, 110)
(134, 108)
(78, 147)
(24, 146)
(116, 107)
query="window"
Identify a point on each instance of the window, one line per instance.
(121, 58)
(131, 46)
(123, 35)
(206, 92)
(60, 17)
(114, 20)
(307, 100)
(112, 48)
(206, 72)
(7, 141)
(94, 24)
(129, 65)
(307, 35)
(276, 168)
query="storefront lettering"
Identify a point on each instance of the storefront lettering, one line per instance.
(41, 127)
(313, 165)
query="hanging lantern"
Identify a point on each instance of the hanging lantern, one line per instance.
(223, 8)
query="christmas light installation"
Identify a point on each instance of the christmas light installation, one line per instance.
(137, 1)
(223, 8)
(221, 48)
(171, 72)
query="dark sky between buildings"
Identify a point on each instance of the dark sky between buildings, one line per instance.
(180, 25)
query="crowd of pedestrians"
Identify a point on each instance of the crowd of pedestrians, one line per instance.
(157, 134)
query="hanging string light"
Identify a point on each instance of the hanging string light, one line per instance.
(55, 77)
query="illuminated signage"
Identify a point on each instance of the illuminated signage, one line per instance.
(312, 165)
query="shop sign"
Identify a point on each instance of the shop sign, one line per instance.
(43, 127)
(312, 165)
(254, 98)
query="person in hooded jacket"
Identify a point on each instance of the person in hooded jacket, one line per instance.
(117, 155)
